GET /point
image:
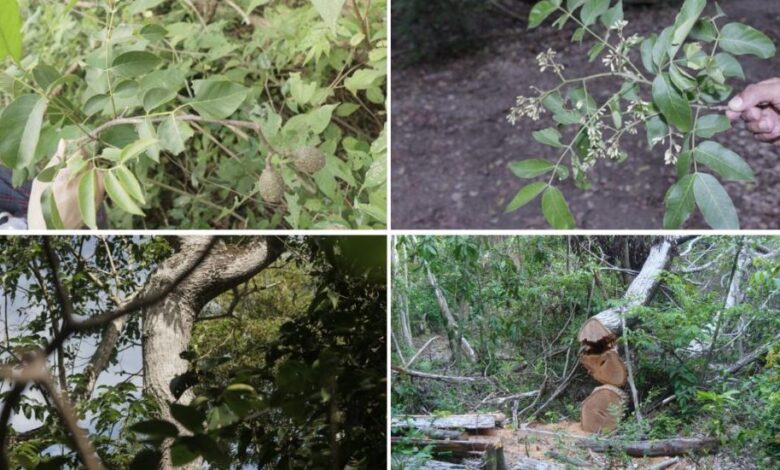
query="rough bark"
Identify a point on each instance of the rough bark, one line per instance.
(602, 409)
(452, 324)
(167, 327)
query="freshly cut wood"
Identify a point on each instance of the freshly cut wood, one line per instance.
(658, 448)
(594, 332)
(470, 421)
(607, 367)
(602, 409)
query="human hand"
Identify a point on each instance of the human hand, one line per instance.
(66, 195)
(759, 106)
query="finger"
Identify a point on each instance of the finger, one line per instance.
(762, 126)
(769, 136)
(733, 115)
(754, 95)
(752, 114)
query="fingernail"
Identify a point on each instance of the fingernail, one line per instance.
(736, 103)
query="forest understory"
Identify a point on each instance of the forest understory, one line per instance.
(585, 352)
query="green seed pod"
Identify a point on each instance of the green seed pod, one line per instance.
(271, 186)
(309, 160)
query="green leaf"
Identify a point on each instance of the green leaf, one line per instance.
(742, 39)
(613, 15)
(45, 75)
(130, 184)
(218, 99)
(136, 148)
(729, 65)
(20, 129)
(682, 80)
(146, 459)
(661, 46)
(117, 192)
(156, 428)
(723, 161)
(146, 132)
(549, 136)
(189, 416)
(679, 203)
(10, 30)
(86, 192)
(646, 52)
(540, 12)
(135, 63)
(673, 105)
(592, 10)
(714, 202)
(329, 10)
(526, 195)
(51, 214)
(183, 452)
(711, 124)
(220, 417)
(555, 209)
(157, 97)
(656, 130)
(683, 24)
(531, 168)
(174, 135)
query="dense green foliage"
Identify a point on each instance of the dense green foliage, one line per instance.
(525, 299)
(293, 376)
(180, 107)
(673, 91)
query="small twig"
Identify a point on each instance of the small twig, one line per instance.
(420, 351)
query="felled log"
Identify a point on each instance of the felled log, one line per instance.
(439, 465)
(602, 409)
(607, 367)
(657, 448)
(533, 464)
(468, 422)
(443, 378)
(600, 331)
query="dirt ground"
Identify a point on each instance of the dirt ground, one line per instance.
(451, 142)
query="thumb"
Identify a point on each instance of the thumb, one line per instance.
(754, 95)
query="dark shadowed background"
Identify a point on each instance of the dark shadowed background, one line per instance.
(458, 66)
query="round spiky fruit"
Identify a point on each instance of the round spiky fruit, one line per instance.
(271, 186)
(309, 160)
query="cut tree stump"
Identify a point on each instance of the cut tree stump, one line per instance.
(607, 367)
(594, 335)
(602, 409)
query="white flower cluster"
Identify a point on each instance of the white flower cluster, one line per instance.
(546, 60)
(615, 59)
(670, 156)
(525, 106)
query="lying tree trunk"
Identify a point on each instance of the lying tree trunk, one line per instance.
(469, 422)
(167, 326)
(659, 448)
(606, 368)
(532, 464)
(602, 410)
(489, 450)
(443, 378)
(601, 330)
(452, 324)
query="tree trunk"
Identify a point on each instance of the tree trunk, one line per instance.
(733, 298)
(167, 327)
(452, 324)
(603, 328)
(659, 448)
(606, 368)
(403, 303)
